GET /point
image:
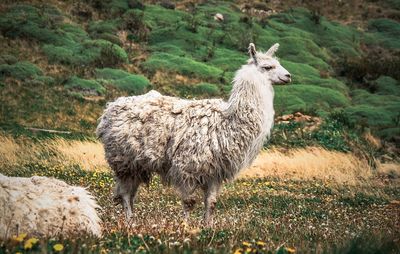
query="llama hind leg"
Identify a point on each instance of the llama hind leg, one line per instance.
(210, 200)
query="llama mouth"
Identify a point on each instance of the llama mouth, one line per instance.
(285, 81)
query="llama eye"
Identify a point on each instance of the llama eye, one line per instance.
(267, 68)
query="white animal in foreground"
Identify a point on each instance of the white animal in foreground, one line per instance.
(45, 206)
(191, 143)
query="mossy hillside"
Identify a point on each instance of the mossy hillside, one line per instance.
(132, 83)
(62, 42)
(326, 34)
(203, 50)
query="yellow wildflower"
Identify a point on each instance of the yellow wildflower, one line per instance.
(58, 247)
(19, 238)
(247, 244)
(261, 243)
(30, 242)
(238, 251)
(248, 250)
(290, 250)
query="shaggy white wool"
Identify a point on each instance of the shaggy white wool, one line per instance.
(45, 207)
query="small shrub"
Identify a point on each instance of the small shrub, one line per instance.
(102, 27)
(292, 98)
(111, 55)
(136, 4)
(84, 86)
(135, 84)
(183, 65)
(384, 32)
(206, 89)
(8, 59)
(133, 21)
(386, 86)
(20, 70)
(167, 4)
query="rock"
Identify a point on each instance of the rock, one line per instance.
(219, 17)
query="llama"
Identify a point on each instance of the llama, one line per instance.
(191, 143)
(45, 206)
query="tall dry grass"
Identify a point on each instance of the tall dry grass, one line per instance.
(298, 164)
(88, 154)
(308, 164)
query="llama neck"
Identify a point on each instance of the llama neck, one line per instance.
(251, 91)
(250, 109)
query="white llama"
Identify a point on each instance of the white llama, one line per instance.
(45, 206)
(191, 143)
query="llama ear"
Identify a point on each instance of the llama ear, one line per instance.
(253, 52)
(273, 49)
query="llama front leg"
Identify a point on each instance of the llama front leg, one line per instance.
(188, 202)
(210, 200)
(126, 190)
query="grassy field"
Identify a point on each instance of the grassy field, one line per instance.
(337, 209)
(330, 185)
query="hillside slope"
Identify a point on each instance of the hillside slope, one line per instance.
(60, 62)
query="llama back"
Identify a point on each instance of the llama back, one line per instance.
(135, 131)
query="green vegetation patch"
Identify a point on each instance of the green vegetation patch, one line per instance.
(387, 86)
(85, 86)
(20, 70)
(305, 98)
(200, 90)
(183, 65)
(135, 84)
(384, 32)
(62, 42)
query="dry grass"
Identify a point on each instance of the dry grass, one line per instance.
(312, 163)
(308, 164)
(89, 154)
(10, 151)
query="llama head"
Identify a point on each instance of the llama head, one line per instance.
(268, 65)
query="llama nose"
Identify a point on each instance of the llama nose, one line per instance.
(288, 75)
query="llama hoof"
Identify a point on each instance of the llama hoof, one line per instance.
(117, 200)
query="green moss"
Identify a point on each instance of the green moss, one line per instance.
(135, 84)
(106, 26)
(97, 52)
(387, 86)
(20, 70)
(84, 86)
(62, 42)
(292, 98)
(389, 133)
(384, 32)
(106, 30)
(183, 65)
(370, 115)
(206, 89)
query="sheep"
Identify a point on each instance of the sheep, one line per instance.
(191, 143)
(43, 206)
